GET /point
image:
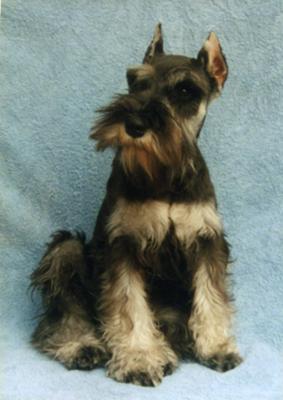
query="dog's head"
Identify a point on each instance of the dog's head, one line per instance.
(165, 107)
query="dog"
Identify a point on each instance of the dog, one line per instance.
(151, 288)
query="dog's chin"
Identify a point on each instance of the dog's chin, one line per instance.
(142, 153)
(148, 153)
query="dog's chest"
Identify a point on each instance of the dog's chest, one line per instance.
(149, 222)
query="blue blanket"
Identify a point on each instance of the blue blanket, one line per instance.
(60, 60)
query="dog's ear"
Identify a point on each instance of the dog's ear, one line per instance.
(156, 46)
(213, 59)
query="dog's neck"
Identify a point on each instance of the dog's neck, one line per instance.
(189, 179)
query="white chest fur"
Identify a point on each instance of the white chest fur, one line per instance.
(149, 222)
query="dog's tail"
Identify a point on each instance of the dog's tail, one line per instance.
(62, 268)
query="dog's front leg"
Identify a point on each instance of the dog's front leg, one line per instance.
(140, 353)
(210, 320)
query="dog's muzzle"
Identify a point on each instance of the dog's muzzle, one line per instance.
(153, 115)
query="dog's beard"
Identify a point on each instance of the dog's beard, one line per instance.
(153, 153)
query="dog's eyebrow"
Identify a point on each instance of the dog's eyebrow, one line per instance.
(140, 71)
(179, 74)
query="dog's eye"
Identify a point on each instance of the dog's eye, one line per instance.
(183, 89)
(187, 90)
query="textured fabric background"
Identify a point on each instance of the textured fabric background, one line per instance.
(60, 60)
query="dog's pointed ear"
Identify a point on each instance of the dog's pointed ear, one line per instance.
(156, 46)
(214, 61)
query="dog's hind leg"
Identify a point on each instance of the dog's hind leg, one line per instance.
(66, 331)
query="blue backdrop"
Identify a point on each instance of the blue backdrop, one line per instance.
(60, 60)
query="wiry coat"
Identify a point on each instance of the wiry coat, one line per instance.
(151, 286)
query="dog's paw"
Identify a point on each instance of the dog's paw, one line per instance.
(223, 362)
(143, 378)
(141, 368)
(87, 358)
(139, 375)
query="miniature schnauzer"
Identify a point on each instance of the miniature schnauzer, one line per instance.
(151, 287)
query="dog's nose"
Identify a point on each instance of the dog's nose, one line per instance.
(135, 129)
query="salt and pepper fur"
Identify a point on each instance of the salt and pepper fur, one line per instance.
(151, 287)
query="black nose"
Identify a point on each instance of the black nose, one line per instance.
(135, 129)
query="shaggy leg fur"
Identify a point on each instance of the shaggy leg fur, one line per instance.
(210, 320)
(65, 331)
(140, 353)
